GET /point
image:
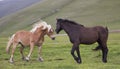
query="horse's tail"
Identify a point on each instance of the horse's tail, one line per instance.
(106, 29)
(9, 43)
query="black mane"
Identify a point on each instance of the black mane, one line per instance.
(71, 22)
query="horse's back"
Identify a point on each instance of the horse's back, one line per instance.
(102, 30)
(89, 35)
(23, 34)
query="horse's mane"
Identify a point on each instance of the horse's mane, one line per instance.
(72, 22)
(38, 25)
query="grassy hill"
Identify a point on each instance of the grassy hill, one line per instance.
(86, 12)
(56, 53)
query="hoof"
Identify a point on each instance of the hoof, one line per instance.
(27, 59)
(105, 61)
(23, 58)
(40, 59)
(79, 62)
(12, 62)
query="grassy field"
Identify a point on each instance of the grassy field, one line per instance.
(57, 55)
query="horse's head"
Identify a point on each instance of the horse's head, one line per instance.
(50, 32)
(43, 27)
(58, 25)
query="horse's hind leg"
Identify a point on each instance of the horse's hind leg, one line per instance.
(104, 52)
(103, 47)
(97, 48)
(21, 51)
(12, 53)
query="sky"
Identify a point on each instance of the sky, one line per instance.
(11, 6)
(1, 0)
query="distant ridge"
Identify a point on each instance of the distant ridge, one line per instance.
(86, 12)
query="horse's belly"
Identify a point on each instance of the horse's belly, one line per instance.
(88, 43)
(25, 43)
(88, 40)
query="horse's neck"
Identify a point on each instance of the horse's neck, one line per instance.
(39, 36)
(67, 28)
(71, 29)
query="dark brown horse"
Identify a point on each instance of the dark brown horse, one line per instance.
(78, 34)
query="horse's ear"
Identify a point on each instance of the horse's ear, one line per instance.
(59, 19)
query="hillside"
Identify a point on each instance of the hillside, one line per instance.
(86, 12)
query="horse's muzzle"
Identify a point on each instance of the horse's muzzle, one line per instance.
(53, 37)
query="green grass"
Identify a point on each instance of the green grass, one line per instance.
(57, 55)
(86, 12)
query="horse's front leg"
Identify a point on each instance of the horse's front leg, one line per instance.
(75, 47)
(39, 53)
(78, 53)
(30, 52)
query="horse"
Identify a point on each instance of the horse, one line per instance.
(79, 34)
(34, 37)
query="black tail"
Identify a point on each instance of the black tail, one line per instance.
(107, 29)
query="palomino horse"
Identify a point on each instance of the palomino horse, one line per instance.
(30, 38)
(78, 34)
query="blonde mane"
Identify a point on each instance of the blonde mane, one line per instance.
(49, 27)
(40, 24)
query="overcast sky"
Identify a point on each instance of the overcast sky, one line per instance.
(11, 6)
